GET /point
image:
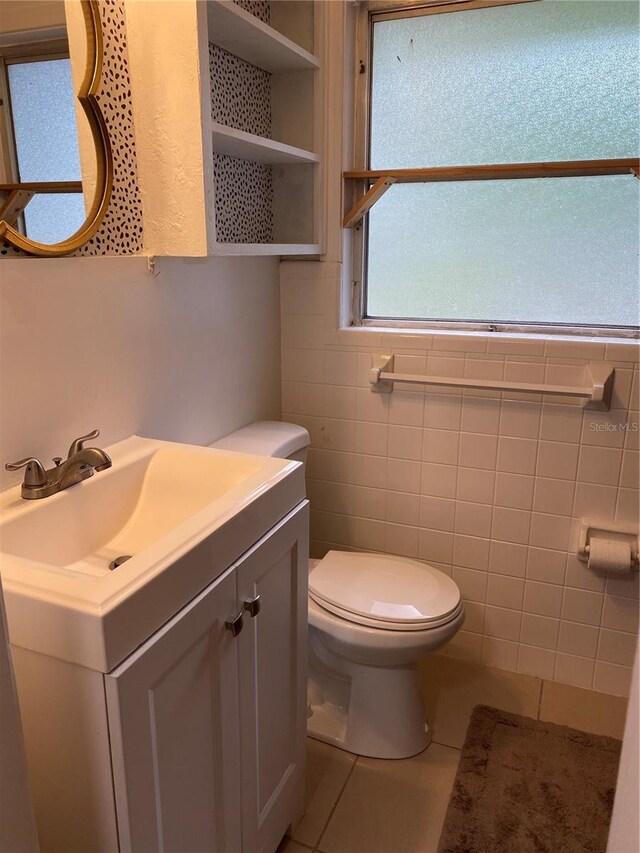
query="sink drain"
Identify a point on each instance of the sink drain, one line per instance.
(119, 561)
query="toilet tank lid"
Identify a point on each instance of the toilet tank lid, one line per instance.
(266, 438)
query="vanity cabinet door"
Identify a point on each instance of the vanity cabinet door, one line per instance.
(273, 682)
(173, 721)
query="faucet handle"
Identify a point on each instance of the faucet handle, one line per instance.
(78, 444)
(34, 475)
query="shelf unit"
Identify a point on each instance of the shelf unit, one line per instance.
(264, 249)
(248, 146)
(243, 34)
(288, 50)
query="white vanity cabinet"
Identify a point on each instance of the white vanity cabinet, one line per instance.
(272, 672)
(175, 740)
(206, 723)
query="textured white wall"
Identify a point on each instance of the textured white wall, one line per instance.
(97, 342)
(174, 160)
(20, 15)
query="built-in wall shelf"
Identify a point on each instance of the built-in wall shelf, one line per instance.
(224, 190)
(267, 249)
(268, 185)
(266, 188)
(248, 146)
(241, 33)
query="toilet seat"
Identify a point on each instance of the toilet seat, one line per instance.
(385, 592)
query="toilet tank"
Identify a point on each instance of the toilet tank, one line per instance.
(268, 438)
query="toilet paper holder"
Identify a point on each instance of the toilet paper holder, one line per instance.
(592, 525)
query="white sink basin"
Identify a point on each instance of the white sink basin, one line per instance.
(156, 504)
(124, 509)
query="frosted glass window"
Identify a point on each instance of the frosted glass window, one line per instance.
(46, 140)
(535, 82)
(561, 250)
(53, 217)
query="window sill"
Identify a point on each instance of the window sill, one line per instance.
(542, 345)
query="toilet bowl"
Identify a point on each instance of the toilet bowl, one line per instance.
(372, 617)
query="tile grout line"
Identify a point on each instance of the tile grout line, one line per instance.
(542, 680)
(536, 479)
(316, 848)
(447, 745)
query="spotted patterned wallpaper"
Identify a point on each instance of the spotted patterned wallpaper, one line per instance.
(260, 8)
(240, 93)
(244, 200)
(121, 229)
(241, 98)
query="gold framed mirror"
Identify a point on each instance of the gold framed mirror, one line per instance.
(36, 78)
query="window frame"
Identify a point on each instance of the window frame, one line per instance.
(17, 54)
(368, 14)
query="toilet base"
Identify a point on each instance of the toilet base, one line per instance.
(380, 714)
(328, 724)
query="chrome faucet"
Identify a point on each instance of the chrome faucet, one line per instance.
(81, 462)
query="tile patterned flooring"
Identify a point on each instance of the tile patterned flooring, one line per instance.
(364, 805)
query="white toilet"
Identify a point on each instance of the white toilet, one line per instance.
(371, 618)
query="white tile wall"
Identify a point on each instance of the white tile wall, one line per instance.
(487, 489)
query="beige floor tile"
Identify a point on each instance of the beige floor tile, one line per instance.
(327, 771)
(393, 806)
(593, 712)
(452, 688)
(289, 846)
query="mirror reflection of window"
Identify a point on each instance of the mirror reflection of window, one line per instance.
(43, 126)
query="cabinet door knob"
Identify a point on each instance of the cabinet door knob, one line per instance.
(234, 625)
(252, 605)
